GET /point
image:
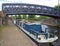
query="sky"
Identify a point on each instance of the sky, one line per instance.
(50, 3)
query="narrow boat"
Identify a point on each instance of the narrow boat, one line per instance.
(39, 32)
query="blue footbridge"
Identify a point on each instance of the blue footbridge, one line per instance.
(18, 8)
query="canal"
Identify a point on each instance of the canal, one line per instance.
(57, 42)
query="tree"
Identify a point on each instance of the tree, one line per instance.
(31, 17)
(43, 17)
(24, 16)
(17, 17)
(57, 6)
(35, 18)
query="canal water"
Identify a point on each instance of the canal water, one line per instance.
(57, 42)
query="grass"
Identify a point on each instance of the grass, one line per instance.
(1, 31)
(1, 27)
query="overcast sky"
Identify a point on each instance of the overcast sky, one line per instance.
(50, 3)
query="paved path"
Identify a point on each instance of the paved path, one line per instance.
(12, 36)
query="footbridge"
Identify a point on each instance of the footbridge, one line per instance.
(18, 8)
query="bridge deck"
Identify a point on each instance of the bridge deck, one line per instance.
(15, 8)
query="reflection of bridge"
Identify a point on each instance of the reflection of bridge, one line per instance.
(11, 8)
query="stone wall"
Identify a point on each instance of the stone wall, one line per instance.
(3, 19)
(51, 22)
(58, 21)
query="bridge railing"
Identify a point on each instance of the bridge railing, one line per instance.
(29, 9)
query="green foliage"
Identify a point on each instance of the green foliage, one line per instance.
(40, 18)
(43, 17)
(14, 17)
(24, 16)
(31, 17)
(0, 28)
(17, 17)
(1, 32)
(57, 6)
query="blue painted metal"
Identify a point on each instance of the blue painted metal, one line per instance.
(33, 29)
(17, 8)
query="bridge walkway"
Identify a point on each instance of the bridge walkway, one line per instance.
(12, 36)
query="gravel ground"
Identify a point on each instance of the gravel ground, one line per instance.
(12, 36)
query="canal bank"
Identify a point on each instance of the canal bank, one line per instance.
(13, 36)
